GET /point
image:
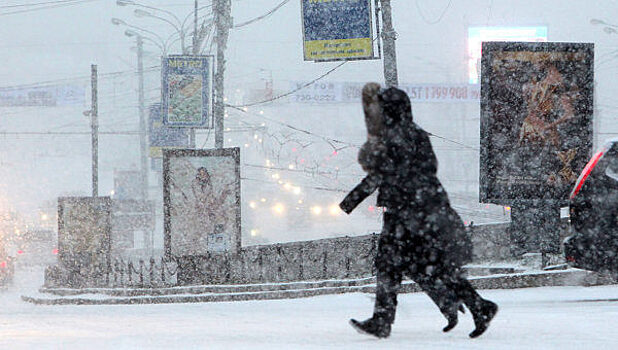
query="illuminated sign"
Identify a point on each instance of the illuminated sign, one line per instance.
(477, 35)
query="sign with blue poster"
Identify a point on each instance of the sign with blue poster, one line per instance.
(186, 91)
(337, 30)
(162, 136)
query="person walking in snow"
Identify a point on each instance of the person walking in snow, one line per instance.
(422, 236)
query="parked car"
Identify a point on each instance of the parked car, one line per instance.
(593, 244)
(7, 269)
(37, 248)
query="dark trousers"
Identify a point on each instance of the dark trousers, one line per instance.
(406, 249)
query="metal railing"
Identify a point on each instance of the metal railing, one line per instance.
(155, 273)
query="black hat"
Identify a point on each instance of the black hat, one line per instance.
(396, 106)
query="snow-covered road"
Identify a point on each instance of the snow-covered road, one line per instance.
(539, 318)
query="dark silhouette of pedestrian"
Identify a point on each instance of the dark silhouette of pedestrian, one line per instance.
(422, 235)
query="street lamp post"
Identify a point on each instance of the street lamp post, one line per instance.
(142, 117)
(179, 30)
(222, 20)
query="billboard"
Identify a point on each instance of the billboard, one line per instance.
(536, 119)
(337, 30)
(201, 199)
(350, 92)
(163, 136)
(84, 228)
(186, 86)
(43, 96)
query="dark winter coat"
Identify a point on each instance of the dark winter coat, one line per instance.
(408, 185)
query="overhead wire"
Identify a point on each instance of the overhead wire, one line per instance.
(292, 91)
(37, 3)
(420, 12)
(61, 4)
(47, 83)
(267, 14)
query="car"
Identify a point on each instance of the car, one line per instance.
(6, 267)
(593, 209)
(37, 247)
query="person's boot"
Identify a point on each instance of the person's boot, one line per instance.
(482, 314)
(372, 326)
(451, 317)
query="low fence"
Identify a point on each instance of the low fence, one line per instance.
(154, 273)
(150, 274)
(335, 258)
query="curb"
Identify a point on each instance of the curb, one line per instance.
(572, 277)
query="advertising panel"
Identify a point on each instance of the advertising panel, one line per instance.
(84, 227)
(337, 30)
(536, 119)
(163, 136)
(201, 190)
(186, 89)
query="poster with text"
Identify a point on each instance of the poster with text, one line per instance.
(186, 91)
(337, 30)
(536, 119)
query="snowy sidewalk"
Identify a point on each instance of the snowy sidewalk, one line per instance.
(533, 318)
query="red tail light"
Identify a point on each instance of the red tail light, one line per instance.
(587, 170)
(3, 265)
(20, 252)
(55, 251)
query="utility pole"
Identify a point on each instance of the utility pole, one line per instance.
(388, 39)
(94, 124)
(142, 119)
(195, 51)
(222, 9)
(196, 48)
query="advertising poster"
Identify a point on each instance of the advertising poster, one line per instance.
(337, 30)
(536, 119)
(163, 136)
(84, 228)
(201, 190)
(186, 91)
